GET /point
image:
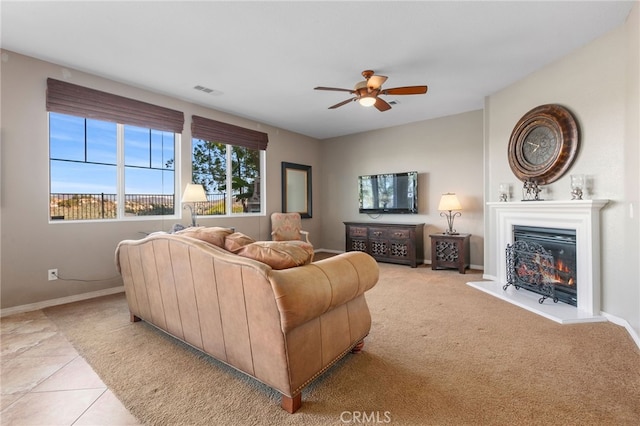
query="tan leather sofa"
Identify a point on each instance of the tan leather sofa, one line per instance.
(282, 327)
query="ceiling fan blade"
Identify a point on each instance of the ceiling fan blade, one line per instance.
(408, 90)
(335, 89)
(376, 81)
(342, 103)
(382, 105)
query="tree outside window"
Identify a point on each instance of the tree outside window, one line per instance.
(218, 166)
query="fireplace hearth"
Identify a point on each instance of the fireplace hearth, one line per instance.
(543, 260)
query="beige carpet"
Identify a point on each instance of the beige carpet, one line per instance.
(439, 353)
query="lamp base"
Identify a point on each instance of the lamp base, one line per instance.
(194, 215)
(449, 215)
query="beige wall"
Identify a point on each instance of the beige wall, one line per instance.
(464, 153)
(447, 154)
(31, 245)
(599, 84)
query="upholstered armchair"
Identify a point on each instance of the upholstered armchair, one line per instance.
(287, 227)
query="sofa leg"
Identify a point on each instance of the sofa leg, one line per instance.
(134, 318)
(358, 348)
(291, 404)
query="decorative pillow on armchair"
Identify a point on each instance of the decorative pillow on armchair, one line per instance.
(212, 235)
(279, 254)
(285, 226)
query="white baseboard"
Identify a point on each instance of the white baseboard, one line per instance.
(623, 323)
(60, 301)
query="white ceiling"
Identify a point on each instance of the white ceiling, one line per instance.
(264, 58)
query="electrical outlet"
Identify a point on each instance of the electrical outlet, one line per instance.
(52, 274)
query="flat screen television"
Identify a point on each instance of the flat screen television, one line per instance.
(389, 193)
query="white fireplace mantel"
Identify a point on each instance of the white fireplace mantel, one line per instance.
(583, 216)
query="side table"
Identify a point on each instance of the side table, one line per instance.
(450, 251)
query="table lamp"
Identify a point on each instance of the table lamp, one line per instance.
(448, 203)
(193, 193)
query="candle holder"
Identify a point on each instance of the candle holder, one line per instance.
(504, 191)
(577, 186)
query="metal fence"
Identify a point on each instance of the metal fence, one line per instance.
(74, 206)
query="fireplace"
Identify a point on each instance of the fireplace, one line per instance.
(543, 260)
(581, 217)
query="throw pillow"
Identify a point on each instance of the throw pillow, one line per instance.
(236, 241)
(278, 254)
(303, 245)
(213, 235)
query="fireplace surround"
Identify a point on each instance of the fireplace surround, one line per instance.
(581, 216)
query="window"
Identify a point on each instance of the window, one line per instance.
(88, 182)
(110, 157)
(218, 166)
(227, 156)
(149, 176)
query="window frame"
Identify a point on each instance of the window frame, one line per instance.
(121, 168)
(229, 195)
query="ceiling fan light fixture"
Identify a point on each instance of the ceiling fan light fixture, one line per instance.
(367, 101)
(367, 92)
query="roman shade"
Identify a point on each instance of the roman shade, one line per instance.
(67, 98)
(217, 131)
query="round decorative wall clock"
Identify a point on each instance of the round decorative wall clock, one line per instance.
(543, 144)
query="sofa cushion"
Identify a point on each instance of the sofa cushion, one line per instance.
(236, 241)
(279, 254)
(212, 235)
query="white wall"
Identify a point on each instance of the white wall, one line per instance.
(31, 245)
(599, 84)
(447, 154)
(632, 163)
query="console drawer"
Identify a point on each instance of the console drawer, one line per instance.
(389, 233)
(377, 233)
(398, 233)
(357, 231)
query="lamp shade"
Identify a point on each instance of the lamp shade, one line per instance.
(449, 201)
(194, 193)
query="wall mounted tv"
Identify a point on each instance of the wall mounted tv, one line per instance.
(389, 193)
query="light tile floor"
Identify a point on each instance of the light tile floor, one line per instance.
(44, 381)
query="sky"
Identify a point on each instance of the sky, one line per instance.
(83, 160)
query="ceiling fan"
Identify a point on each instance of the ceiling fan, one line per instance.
(366, 92)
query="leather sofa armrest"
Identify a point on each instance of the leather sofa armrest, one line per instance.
(306, 292)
